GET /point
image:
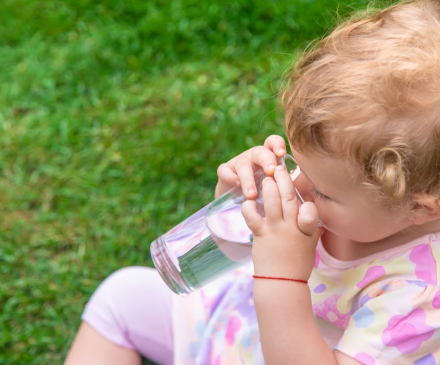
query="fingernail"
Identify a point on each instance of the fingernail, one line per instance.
(281, 151)
(271, 167)
(251, 191)
(238, 183)
(280, 168)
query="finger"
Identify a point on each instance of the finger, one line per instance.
(272, 201)
(227, 176)
(289, 201)
(253, 219)
(276, 144)
(245, 172)
(226, 180)
(265, 158)
(308, 218)
(246, 164)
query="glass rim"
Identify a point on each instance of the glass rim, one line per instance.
(298, 194)
(283, 162)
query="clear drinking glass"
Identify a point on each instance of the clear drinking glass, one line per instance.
(212, 242)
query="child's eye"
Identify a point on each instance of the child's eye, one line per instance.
(318, 194)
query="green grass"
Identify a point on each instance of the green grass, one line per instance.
(114, 117)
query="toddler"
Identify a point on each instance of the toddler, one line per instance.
(362, 117)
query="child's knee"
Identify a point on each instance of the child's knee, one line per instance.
(132, 306)
(126, 277)
(124, 283)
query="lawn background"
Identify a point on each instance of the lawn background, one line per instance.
(114, 117)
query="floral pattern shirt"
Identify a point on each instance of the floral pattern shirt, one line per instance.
(382, 309)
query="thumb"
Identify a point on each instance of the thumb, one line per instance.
(308, 218)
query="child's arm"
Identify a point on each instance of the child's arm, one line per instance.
(288, 331)
(284, 246)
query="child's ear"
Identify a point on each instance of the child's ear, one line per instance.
(425, 208)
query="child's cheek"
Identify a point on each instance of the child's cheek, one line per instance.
(334, 219)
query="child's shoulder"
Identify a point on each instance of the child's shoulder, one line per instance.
(415, 261)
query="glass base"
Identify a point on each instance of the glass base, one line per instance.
(166, 269)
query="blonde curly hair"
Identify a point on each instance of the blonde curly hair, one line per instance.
(370, 92)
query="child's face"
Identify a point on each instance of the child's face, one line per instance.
(344, 205)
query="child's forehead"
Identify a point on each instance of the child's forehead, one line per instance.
(317, 166)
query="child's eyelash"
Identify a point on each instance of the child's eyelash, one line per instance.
(318, 194)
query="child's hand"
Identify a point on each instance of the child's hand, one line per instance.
(285, 240)
(240, 170)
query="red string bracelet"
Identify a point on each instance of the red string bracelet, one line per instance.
(276, 278)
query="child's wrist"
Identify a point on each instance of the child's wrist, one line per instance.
(277, 272)
(285, 268)
(279, 278)
(282, 259)
(265, 290)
